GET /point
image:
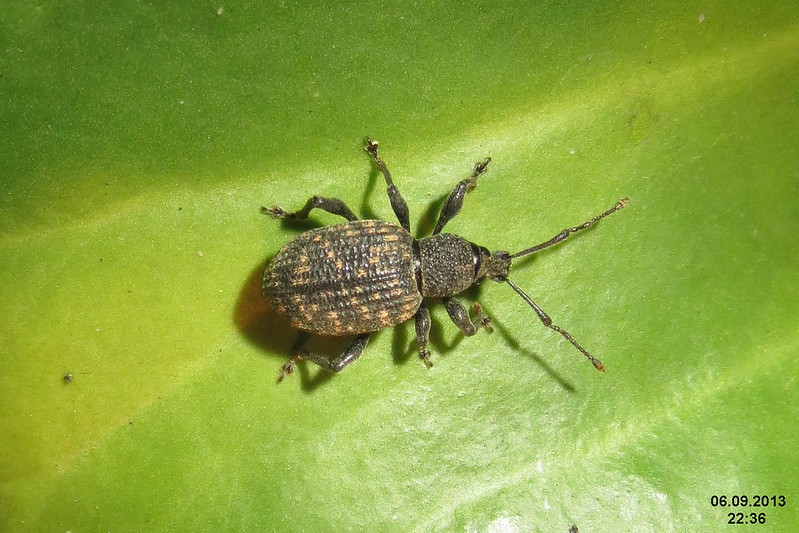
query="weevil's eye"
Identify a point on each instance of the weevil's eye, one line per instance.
(494, 265)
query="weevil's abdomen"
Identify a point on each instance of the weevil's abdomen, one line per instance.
(345, 279)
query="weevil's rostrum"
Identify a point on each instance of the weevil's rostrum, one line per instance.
(345, 279)
(361, 276)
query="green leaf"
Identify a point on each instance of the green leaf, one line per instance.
(139, 141)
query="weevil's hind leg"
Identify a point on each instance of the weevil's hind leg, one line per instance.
(398, 203)
(350, 355)
(423, 334)
(469, 326)
(331, 205)
(454, 202)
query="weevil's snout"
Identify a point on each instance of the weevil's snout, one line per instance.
(494, 265)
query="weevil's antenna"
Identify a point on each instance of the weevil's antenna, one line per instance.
(547, 321)
(563, 235)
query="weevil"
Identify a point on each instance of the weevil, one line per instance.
(361, 276)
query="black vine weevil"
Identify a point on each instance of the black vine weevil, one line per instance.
(361, 276)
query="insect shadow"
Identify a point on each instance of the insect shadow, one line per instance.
(270, 332)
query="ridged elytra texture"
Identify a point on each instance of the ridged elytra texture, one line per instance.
(345, 279)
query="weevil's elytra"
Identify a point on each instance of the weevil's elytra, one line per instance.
(345, 279)
(361, 276)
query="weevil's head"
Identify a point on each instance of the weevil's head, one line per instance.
(493, 265)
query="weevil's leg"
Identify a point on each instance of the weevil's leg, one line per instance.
(350, 355)
(469, 326)
(331, 205)
(423, 334)
(564, 234)
(454, 201)
(398, 203)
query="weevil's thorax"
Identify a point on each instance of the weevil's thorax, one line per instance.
(448, 265)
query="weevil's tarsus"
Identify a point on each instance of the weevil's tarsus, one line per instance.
(424, 355)
(564, 234)
(485, 320)
(274, 211)
(547, 321)
(288, 368)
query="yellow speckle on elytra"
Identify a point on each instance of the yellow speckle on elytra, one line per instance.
(301, 269)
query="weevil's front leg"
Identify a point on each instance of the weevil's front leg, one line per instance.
(469, 326)
(398, 203)
(454, 202)
(423, 334)
(350, 355)
(331, 205)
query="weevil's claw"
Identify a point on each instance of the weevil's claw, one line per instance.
(484, 319)
(289, 367)
(424, 355)
(275, 211)
(287, 370)
(481, 167)
(371, 148)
